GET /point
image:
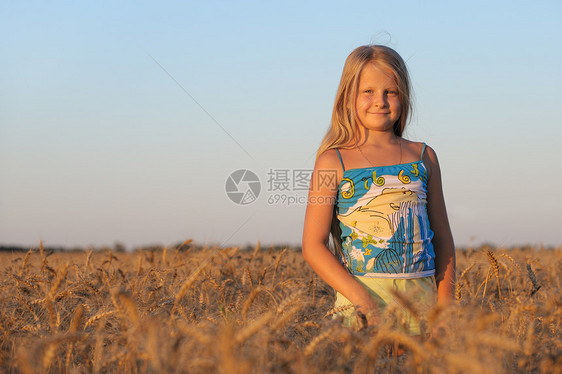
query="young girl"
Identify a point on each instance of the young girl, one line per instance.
(380, 197)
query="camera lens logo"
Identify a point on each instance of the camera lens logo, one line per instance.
(243, 187)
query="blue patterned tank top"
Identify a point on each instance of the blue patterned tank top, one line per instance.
(383, 218)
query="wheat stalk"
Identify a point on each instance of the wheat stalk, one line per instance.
(397, 338)
(311, 347)
(184, 244)
(73, 329)
(277, 262)
(129, 309)
(49, 348)
(52, 314)
(485, 283)
(256, 250)
(98, 349)
(284, 318)
(253, 328)
(194, 332)
(189, 281)
(510, 259)
(249, 301)
(262, 276)
(88, 260)
(313, 289)
(289, 300)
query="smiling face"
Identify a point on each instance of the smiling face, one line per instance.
(378, 100)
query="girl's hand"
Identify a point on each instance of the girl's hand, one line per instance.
(443, 244)
(367, 314)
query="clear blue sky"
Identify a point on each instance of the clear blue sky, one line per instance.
(100, 144)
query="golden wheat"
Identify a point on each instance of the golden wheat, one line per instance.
(191, 309)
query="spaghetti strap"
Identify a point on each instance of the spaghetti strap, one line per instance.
(423, 150)
(339, 155)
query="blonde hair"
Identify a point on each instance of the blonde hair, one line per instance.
(344, 126)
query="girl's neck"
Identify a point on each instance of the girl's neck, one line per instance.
(377, 138)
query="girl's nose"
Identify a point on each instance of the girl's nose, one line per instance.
(379, 99)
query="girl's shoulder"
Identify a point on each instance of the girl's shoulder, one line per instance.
(419, 148)
(329, 161)
(421, 151)
(328, 158)
(428, 156)
(333, 156)
(413, 147)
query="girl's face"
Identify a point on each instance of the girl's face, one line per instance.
(378, 104)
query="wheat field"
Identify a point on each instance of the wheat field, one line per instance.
(193, 309)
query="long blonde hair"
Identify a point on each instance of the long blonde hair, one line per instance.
(344, 125)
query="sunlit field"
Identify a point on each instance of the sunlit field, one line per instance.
(189, 309)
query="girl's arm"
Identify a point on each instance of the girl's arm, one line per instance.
(443, 245)
(321, 199)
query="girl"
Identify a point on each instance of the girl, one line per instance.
(380, 197)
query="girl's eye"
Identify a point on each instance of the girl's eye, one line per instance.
(368, 91)
(392, 92)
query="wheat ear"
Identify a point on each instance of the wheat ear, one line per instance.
(311, 347)
(189, 281)
(533, 279)
(277, 262)
(255, 253)
(495, 268)
(338, 309)
(250, 330)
